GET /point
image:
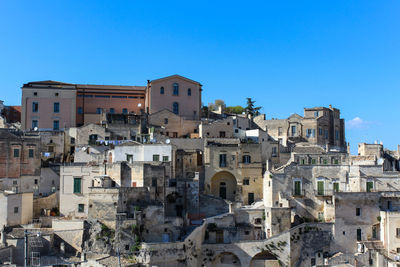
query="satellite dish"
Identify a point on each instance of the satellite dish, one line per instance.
(139, 105)
(84, 148)
(167, 141)
(35, 129)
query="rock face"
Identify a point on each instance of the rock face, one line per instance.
(98, 238)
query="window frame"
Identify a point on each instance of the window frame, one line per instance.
(56, 107)
(75, 185)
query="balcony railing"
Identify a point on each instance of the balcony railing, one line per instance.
(298, 193)
(323, 192)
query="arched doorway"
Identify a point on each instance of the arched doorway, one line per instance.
(226, 259)
(223, 185)
(264, 259)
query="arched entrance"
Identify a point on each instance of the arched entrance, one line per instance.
(264, 259)
(226, 259)
(223, 185)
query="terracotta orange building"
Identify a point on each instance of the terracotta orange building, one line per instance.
(52, 105)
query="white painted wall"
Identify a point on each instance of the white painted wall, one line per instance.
(141, 152)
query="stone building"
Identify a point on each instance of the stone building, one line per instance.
(52, 105)
(16, 208)
(19, 158)
(48, 105)
(320, 125)
(233, 170)
(172, 125)
(178, 94)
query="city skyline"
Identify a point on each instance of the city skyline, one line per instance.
(298, 54)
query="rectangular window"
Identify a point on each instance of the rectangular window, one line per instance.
(320, 131)
(246, 182)
(112, 110)
(246, 159)
(326, 134)
(81, 207)
(222, 134)
(56, 125)
(165, 121)
(293, 130)
(398, 232)
(320, 188)
(72, 140)
(359, 234)
(156, 157)
(336, 187)
(15, 209)
(16, 153)
(337, 134)
(56, 108)
(313, 161)
(35, 107)
(129, 157)
(358, 211)
(77, 185)
(222, 160)
(31, 152)
(312, 132)
(297, 188)
(99, 111)
(36, 181)
(165, 158)
(280, 131)
(125, 111)
(336, 161)
(316, 114)
(370, 186)
(80, 110)
(35, 124)
(250, 198)
(154, 182)
(274, 151)
(308, 132)
(325, 161)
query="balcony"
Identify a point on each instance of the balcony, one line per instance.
(298, 193)
(323, 192)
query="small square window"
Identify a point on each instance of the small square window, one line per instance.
(246, 181)
(156, 157)
(35, 93)
(81, 208)
(165, 158)
(16, 153)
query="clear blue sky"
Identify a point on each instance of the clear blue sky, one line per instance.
(286, 55)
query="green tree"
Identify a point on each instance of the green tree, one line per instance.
(235, 109)
(251, 109)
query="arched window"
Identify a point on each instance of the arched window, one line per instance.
(161, 90)
(175, 88)
(189, 92)
(175, 108)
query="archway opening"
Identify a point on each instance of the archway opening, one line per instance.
(223, 185)
(264, 259)
(226, 259)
